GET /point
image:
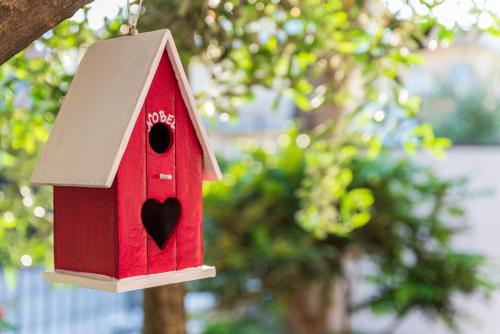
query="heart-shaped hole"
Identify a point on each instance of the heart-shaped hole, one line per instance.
(160, 219)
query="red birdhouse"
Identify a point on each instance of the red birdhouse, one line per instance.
(127, 157)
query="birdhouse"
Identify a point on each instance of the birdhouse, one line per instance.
(127, 157)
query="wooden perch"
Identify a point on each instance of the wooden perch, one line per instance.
(23, 21)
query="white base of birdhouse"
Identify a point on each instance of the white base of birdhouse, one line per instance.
(106, 283)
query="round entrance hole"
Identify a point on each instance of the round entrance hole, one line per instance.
(160, 138)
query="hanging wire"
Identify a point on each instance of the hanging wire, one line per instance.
(133, 19)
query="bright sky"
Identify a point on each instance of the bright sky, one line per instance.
(450, 12)
(100, 9)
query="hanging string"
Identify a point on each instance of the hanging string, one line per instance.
(133, 19)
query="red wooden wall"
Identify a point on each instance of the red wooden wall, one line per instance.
(131, 193)
(85, 229)
(189, 189)
(161, 97)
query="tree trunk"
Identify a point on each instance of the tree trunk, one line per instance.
(24, 21)
(164, 310)
(307, 309)
(338, 313)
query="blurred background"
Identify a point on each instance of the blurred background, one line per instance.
(359, 145)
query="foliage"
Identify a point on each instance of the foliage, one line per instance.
(341, 56)
(416, 215)
(4, 325)
(262, 255)
(468, 108)
(337, 54)
(241, 326)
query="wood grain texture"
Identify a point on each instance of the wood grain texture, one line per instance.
(17, 32)
(85, 229)
(161, 97)
(131, 194)
(101, 107)
(164, 310)
(189, 163)
(102, 282)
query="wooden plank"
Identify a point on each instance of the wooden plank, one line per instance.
(131, 194)
(85, 234)
(100, 282)
(189, 163)
(161, 98)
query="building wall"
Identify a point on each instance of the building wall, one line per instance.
(480, 164)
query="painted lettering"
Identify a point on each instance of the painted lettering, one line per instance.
(160, 116)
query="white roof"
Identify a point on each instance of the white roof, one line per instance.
(99, 112)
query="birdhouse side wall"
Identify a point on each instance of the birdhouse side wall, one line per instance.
(85, 229)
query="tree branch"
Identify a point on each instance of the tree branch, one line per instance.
(23, 21)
